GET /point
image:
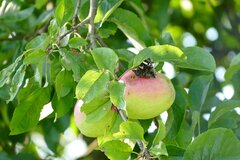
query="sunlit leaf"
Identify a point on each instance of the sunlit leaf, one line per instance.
(64, 11)
(89, 85)
(116, 150)
(8, 71)
(160, 53)
(105, 58)
(17, 82)
(130, 130)
(99, 113)
(116, 90)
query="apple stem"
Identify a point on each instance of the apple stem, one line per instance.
(139, 142)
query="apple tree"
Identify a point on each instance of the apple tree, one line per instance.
(129, 79)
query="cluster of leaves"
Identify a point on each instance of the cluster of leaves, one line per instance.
(48, 69)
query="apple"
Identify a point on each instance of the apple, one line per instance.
(147, 97)
(88, 129)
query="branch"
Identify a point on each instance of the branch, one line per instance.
(75, 15)
(85, 21)
(91, 29)
(139, 142)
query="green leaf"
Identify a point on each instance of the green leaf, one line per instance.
(40, 42)
(195, 121)
(17, 82)
(27, 113)
(59, 13)
(72, 62)
(217, 143)
(8, 71)
(130, 130)
(192, 57)
(37, 56)
(198, 91)
(158, 149)
(77, 42)
(101, 98)
(4, 92)
(116, 90)
(109, 8)
(116, 150)
(174, 150)
(64, 11)
(176, 113)
(132, 27)
(228, 120)
(233, 68)
(115, 123)
(105, 59)
(99, 113)
(32, 85)
(160, 53)
(198, 59)
(160, 134)
(63, 105)
(64, 83)
(55, 68)
(107, 29)
(184, 136)
(221, 109)
(90, 84)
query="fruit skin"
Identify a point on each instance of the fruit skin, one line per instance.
(147, 97)
(88, 129)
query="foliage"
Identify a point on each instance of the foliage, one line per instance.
(53, 53)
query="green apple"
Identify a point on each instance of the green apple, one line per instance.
(147, 97)
(89, 129)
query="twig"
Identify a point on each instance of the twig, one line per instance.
(91, 147)
(139, 142)
(91, 28)
(100, 41)
(85, 21)
(75, 15)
